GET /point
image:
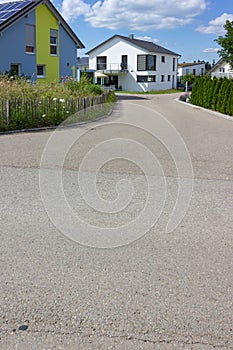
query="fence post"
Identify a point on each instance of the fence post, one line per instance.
(7, 112)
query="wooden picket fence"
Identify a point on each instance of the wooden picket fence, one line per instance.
(35, 110)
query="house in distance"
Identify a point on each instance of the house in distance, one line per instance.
(36, 41)
(194, 68)
(131, 64)
(222, 69)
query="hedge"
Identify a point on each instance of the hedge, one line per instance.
(215, 94)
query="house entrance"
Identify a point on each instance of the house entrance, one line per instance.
(124, 63)
(113, 81)
(15, 69)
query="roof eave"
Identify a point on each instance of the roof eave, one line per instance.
(64, 23)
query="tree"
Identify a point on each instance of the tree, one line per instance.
(226, 42)
(207, 66)
(188, 77)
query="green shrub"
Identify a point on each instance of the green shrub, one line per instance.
(215, 97)
(229, 104)
(111, 97)
(215, 94)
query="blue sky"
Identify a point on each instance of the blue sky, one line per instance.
(187, 27)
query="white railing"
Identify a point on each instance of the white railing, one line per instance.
(228, 75)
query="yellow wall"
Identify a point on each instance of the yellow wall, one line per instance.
(45, 21)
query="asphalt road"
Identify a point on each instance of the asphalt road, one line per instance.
(152, 289)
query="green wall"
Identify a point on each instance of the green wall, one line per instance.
(45, 21)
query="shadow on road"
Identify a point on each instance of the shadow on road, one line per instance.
(130, 97)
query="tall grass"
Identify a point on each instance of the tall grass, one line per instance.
(68, 87)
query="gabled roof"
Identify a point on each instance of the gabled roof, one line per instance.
(12, 11)
(145, 45)
(190, 64)
(218, 64)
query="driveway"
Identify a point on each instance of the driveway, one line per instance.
(101, 272)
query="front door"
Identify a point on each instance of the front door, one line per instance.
(15, 69)
(113, 81)
(124, 62)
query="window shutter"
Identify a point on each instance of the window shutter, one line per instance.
(30, 35)
(53, 32)
(141, 64)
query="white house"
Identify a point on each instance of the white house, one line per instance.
(134, 65)
(221, 69)
(195, 68)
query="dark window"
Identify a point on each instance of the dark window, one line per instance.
(14, 69)
(174, 64)
(151, 62)
(53, 50)
(53, 41)
(162, 77)
(168, 78)
(146, 78)
(163, 59)
(29, 49)
(194, 71)
(101, 62)
(30, 37)
(41, 70)
(146, 62)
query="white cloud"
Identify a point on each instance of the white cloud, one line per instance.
(74, 8)
(210, 50)
(216, 26)
(134, 14)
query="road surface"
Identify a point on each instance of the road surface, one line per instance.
(162, 290)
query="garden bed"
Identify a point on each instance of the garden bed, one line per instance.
(23, 105)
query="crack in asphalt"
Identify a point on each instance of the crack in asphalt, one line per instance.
(112, 336)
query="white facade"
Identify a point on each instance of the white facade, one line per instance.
(197, 69)
(127, 77)
(222, 69)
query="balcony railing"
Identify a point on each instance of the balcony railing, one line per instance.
(228, 75)
(112, 67)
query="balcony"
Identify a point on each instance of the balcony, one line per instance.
(112, 68)
(227, 75)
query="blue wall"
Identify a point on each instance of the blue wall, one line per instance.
(68, 53)
(12, 50)
(12, 47)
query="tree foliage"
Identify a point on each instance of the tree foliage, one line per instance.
(226, 42)
(188, 77)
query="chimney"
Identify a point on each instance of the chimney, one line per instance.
(131, 36)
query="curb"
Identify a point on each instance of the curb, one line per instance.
(217, 114)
